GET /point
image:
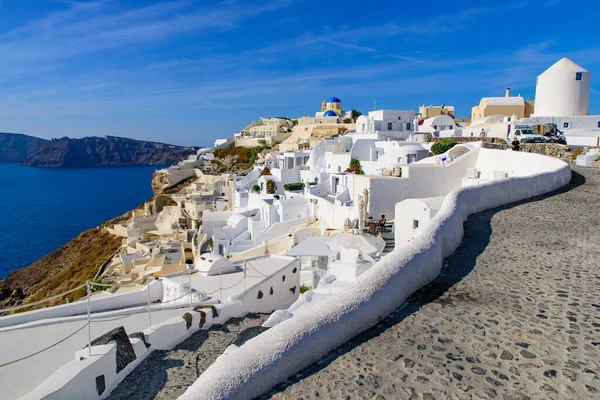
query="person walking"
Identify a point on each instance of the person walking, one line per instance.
(482, 134)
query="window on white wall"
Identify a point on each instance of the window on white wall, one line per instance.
(408, 126)
(578, 76)
(565, 125)
(389, 126)
(415, 224)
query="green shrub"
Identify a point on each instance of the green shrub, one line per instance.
(256, 188)
(241, 155)
(442, 146)
(294, 186)
(98, 288)
(304, 288)
(312, 183)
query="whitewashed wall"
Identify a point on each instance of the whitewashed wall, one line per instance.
(418, 181)
(282, 229)
(212, 220)
(407, 212)
(282, 296)
(337, 162)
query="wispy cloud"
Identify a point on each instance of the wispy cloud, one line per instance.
(89, 27)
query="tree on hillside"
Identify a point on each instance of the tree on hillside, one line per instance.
(355, 114)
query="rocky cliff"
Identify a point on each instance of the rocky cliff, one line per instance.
(15, 147)
(105, 151)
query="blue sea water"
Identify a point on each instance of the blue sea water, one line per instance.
(43, 208)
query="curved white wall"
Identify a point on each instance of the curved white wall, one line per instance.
(288, 347)
(558, 93)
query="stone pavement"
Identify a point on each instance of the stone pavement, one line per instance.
(514, 315)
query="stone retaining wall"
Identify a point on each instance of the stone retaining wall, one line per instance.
(547, 149)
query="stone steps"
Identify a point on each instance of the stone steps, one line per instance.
(390, 242)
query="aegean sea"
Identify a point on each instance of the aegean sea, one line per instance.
(44, 208)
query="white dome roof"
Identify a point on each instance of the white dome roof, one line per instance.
(438, 120)
(214, 264)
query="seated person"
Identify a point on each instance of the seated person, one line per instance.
(382, 222)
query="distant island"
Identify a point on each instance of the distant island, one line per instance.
(88, 152)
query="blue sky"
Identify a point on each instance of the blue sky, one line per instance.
(187, 72)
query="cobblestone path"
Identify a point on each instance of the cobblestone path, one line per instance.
(514, 315)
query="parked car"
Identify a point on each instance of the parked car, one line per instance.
(527, 135)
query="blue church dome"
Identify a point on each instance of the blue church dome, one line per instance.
(333, 100)
(330, 113)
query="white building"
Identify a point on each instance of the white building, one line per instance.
(438, 126)
(384, 124)
(563, 90)
(412, 214)
(268, 127)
